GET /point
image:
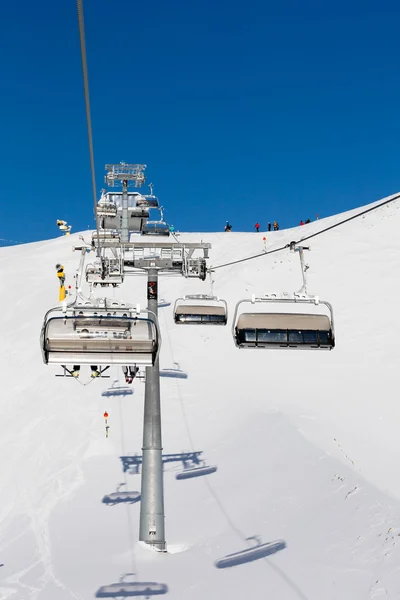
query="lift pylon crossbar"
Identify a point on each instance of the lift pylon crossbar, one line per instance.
(117, 173)
(107, 240)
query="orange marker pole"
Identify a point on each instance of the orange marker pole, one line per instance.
(106, 422)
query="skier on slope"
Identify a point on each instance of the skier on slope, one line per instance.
(257, 226)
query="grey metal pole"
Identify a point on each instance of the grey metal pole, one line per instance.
(152, 494)
(124, 221)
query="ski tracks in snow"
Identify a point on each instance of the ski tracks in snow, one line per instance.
(41, 490)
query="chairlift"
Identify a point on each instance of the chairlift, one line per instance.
(156, 227)
(273, 329)
(137, 218)
(89, 334)
(106, 209)
(196, 472)
(200, 309)
(104, 238)
(109, 210)
(290, 329)
(147, 201)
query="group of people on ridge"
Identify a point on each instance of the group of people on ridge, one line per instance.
(275, 226)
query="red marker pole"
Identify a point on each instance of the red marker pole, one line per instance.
(106, 423)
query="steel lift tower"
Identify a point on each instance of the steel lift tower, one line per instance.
(152, 257)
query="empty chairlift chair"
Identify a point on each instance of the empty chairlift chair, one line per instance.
(101, 336)
(272, 329)
(148, 201)
(156, 227)
(200, 309)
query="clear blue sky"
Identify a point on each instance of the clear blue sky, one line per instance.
(243, 111)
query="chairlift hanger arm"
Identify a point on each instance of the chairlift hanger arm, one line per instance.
(109, 242)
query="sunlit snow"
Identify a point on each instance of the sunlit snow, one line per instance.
(306, 444)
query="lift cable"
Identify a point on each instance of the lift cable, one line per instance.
(79, 5)
(307, 237)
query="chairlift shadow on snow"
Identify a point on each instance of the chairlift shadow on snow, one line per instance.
(163, 303)
(175, 372)
(193, 464)
(121, 497)
(250, 554)
(190, 472)
(129, 589)
(117, 390)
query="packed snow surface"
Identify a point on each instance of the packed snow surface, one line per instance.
(306, 444)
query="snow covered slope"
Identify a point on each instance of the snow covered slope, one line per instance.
(306, 444)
